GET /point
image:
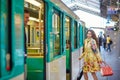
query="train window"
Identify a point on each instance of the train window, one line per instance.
(79, 35)
(56, 31)
(75, 35)
(67, 30)
(35, 28)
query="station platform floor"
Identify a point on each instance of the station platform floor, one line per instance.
(113, 59)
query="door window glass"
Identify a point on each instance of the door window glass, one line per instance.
(35, 28)
(56, 33)
(75, 35)
(67, 32)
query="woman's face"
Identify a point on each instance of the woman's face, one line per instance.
(89, 34)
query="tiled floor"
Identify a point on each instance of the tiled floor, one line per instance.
(111, 58)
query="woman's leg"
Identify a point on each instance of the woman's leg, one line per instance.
(94, 76)
(85, 75)
(104, 46)
(109, 47)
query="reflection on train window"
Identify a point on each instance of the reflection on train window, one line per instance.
(56, 33)
(75, 35)
(35, 28)
(67, 30)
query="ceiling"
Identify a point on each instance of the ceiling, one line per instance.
(91, 6)
(96, 7)
(103, 8)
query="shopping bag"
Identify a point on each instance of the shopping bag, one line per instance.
(106, 70)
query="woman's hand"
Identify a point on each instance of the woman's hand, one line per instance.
(79, 58)
(100, 62)
(94, 46)
(85, 63)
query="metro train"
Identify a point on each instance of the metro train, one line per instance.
(55, 37)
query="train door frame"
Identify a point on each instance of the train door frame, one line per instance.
(0, 39)
(71, 45)
(70, 60)
(12, 58)
(5, 48)
(5, 44)
(45, 39)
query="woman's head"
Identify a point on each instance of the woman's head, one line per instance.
(91, 34)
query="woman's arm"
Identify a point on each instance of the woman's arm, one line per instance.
(98, 53)
(82, 55)
(83, 52)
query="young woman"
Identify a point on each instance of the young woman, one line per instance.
(108, 43)
(91, 55)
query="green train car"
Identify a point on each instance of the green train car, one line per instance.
(55, 37)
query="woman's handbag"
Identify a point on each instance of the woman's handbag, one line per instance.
(106, 70)
(111, 41)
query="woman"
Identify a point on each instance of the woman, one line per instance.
(108, 43)
(91, 55)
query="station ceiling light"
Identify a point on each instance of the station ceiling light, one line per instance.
(34, 19)
(34, 2)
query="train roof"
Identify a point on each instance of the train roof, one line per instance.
(66, 9)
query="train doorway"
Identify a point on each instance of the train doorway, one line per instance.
(35, 35)
(68, 48)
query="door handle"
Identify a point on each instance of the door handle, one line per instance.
(8, 62)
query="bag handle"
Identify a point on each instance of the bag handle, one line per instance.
(104, 64)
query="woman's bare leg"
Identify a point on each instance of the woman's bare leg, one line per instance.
(85, 75)
(94, 76)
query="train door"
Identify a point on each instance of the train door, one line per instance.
(68, 50)
(11, 40)
(3, 36)
(35, 32)
(55, 57)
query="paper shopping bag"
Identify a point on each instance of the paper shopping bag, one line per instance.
(106, 70)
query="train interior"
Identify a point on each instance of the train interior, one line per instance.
(35, 39)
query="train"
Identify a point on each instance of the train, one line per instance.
(55, 37)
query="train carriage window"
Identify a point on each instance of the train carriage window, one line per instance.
(35, 28)
(67, 30)
(79, 35)
(56, 32)
(75, 35)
